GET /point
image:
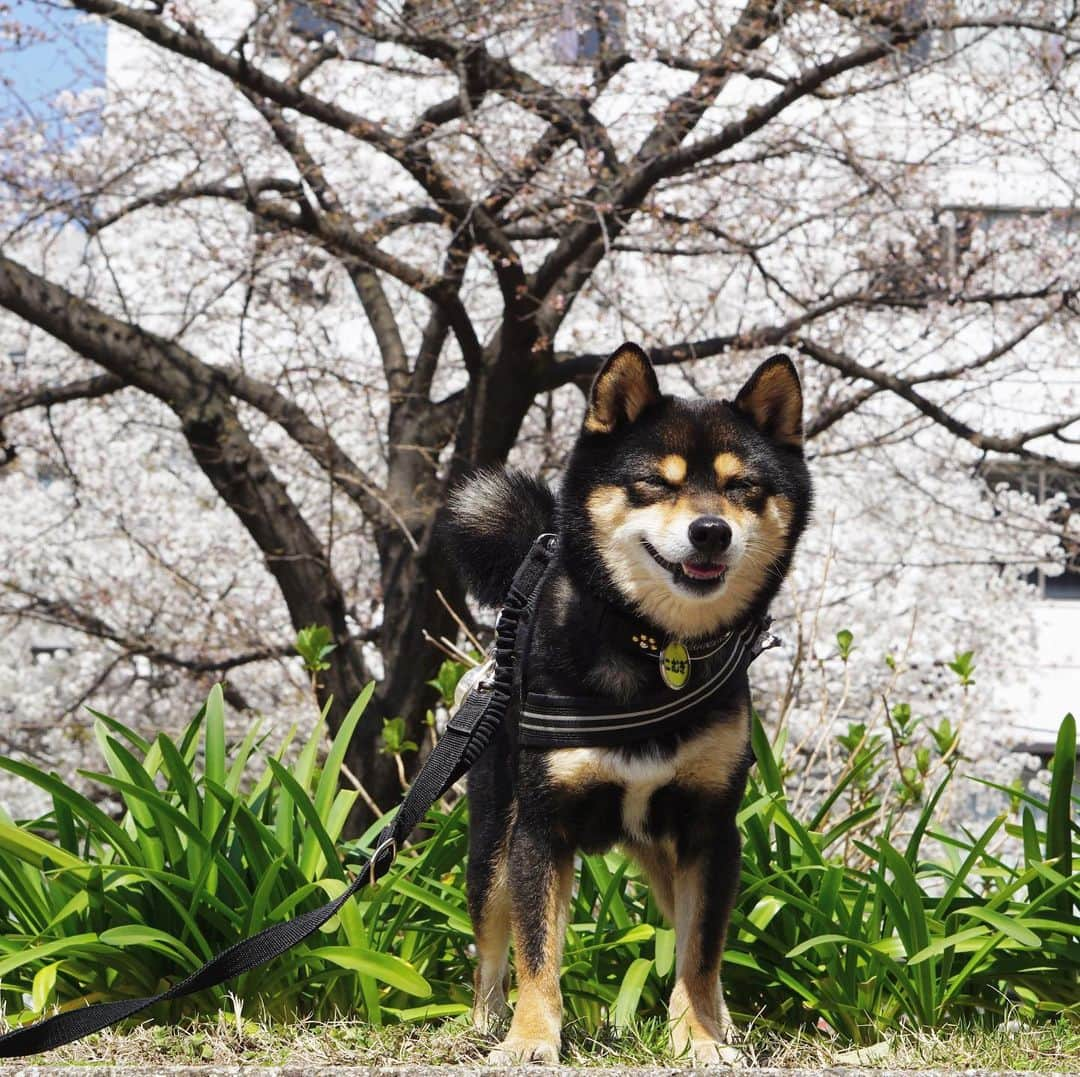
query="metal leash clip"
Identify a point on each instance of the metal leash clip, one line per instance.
(479, 678)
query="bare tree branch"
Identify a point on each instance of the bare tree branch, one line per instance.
(1015, 444)
(46, 396)
(61, 614)
(221, 446)
(322, 447)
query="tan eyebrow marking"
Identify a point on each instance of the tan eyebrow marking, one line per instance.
(606, 507)
(673, 468)
(728, 466)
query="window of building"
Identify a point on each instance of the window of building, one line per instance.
(1042, 482)
(307, 19)
(314, 21)
(929, 43)
(1051, 53)
(958, 224)
(918, 52)
(590, 31)
(42, 655)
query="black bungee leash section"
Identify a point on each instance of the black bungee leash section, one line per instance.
(467, 734)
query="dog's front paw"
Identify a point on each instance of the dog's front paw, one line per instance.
(489, 1017)
(706, 1045)
(715, 1053)
(513, 1051)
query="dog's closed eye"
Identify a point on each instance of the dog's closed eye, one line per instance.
(742, 485)
(657, 482)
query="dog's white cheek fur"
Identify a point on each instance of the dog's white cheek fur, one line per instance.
(652, 589)
(647, 585)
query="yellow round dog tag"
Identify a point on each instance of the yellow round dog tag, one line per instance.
(675, 665)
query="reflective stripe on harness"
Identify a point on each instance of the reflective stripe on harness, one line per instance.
(550, 721)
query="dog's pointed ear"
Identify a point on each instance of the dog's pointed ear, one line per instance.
(772, 400)
(624, 388)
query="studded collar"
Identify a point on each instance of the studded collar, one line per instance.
(631, 634)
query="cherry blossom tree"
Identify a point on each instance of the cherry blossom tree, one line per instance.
(303, 267)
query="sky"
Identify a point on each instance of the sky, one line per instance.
(72, 58)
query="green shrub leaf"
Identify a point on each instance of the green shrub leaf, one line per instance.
(385, 968)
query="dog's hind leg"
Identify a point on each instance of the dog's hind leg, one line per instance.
(658, 863)
(490, 819)
(489, 907)
(540, 875)
(704, 891)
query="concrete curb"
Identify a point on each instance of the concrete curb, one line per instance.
(480, 1071)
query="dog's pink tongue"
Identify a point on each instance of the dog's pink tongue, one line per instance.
(703, 572)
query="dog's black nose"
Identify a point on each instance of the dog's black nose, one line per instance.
(710, 534)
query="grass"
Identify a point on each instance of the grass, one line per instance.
(846, 936)
(231, 1039)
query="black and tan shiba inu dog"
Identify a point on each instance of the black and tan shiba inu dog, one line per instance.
(676, 522)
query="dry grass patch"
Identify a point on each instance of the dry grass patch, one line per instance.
(233, 1039)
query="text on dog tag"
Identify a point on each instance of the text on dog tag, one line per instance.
(675, 665)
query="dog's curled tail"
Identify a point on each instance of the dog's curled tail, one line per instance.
(494, 518)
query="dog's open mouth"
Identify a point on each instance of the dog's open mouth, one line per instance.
(700, 575)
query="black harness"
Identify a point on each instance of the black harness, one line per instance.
(549, 721)
(546, 722)
(686, 677)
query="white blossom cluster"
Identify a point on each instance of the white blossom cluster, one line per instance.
(128, 585)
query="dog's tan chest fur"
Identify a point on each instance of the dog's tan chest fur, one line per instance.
(704, 763)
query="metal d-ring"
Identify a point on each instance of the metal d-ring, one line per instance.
(391, 841)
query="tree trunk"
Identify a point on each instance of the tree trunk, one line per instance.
(410, 606)
(496, 403)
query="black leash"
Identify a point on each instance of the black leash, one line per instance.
(468, 733)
